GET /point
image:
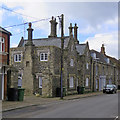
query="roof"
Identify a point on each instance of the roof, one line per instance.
(99, 56)
(81, 48)
(114, 60)
(46, 42)
(4, 31)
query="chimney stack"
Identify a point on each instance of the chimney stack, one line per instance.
(30, 32)
(75, 31)
(53, 28)
(70, 29)
(103, 49)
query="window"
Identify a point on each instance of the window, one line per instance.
(2, 44)
(96, 84)
(72, 48)
(96, 70)
(103, 72)
(108, 60)
(27, 64)
(40, 82)
(107, 71)
(86, 65)
(17, 58)
(43, 57)
(87, 53)
(71, 82)
(71, 62)
(20, 80)
(86, 82)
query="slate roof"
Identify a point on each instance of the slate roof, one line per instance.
(99, 56)
(47, 42)
(81, 48)
(4, 31)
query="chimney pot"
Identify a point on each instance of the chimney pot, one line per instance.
(103, 49)
(30, 32)
(30, 24)
(75, 31)
(70, 29)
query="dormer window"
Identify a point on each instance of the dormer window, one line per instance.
(108, 60)
(2, 44)
(93, 55)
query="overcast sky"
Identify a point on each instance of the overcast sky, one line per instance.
(97, 21)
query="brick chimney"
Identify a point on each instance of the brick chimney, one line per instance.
(103, 49)
(53, 28)
(70, 29)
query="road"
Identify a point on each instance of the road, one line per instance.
(102, 106)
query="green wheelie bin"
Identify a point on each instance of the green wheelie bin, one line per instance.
(64, 91)
(82, 90)
(21, 94)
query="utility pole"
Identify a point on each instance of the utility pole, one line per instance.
(62, 46)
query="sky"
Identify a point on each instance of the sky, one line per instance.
(97, 21)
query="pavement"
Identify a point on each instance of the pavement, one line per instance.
(34, 101)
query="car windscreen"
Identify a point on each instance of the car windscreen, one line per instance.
(109, 86)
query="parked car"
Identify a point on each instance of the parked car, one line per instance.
(110, 89)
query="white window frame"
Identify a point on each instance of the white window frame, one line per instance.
(2, 41)
(71, 62)
(44, 56)
(71, 82)
(18, 57)
(87, 82)
(40, 82)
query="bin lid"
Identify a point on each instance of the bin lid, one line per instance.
(21, 88)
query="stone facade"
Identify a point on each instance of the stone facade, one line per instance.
(38, 62)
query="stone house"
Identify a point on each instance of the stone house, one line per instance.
(4, 61)
(38, 63)
(104, 71)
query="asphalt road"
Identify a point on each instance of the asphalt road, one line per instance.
(102, 106)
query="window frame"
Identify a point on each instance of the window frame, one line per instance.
(17, 57)
(44, 56)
